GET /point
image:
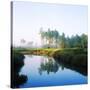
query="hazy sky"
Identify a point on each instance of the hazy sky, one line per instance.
(28, 17)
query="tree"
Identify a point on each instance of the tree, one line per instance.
(84, 41)
(77, 41)
(22, 42)
(49, 36)
(62, 40)
(56, 37)
(68, 44)
(42, 34)
(52, 38)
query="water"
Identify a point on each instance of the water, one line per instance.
(45, 71)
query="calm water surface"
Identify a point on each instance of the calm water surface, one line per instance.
(45, 71)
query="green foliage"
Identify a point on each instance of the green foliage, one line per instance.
(77, 57)
(52, 39)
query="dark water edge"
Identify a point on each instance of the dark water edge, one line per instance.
(79, 69)
(77, 62)
(17, 62)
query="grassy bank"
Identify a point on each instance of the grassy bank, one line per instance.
(53, 51)
(40, 51)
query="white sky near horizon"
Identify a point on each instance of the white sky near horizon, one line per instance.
(29, 17)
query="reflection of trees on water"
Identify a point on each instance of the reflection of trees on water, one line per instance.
(62, 66)
(51, 65)
(81, 70)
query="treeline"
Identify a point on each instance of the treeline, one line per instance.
(52, 38)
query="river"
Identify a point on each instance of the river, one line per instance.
(45, 71)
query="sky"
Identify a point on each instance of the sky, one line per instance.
(29, 17)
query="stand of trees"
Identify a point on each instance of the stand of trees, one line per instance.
(52, 38)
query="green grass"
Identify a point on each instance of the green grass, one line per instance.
(51, 51)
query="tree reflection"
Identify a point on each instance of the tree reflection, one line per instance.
(81, 70)
(62, 66)
(49, 65)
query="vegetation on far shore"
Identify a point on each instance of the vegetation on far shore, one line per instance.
(74, 56)
(52, 51)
